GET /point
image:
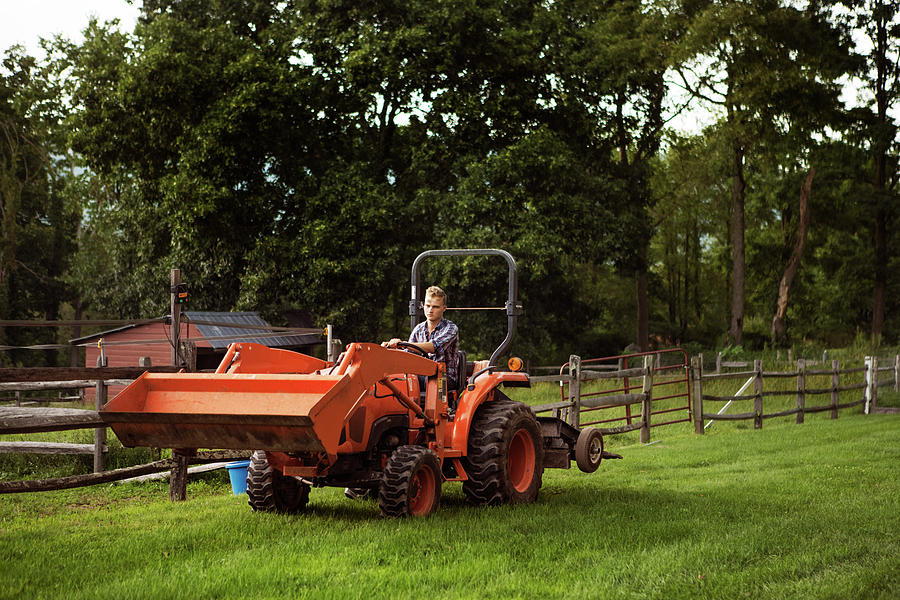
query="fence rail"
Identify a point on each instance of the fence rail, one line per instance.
(757, 376)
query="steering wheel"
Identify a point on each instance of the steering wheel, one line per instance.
(412, 347)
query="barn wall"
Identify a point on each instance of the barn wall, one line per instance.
(129, 355)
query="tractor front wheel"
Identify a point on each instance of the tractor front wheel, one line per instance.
(505, 455)
(269, 490)
(411, 483)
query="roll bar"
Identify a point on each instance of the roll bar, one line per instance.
(513, 308)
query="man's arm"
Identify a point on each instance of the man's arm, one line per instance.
(425, 346)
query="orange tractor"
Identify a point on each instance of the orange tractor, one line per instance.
(362, 422)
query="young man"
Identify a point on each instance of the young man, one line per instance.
(439, 338)
(436, 335)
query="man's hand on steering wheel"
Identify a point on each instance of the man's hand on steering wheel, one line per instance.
(413, 347)
(398, 343)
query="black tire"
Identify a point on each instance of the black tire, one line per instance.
(505, 460)
(411, 483)
(268, 490)
(589, 449)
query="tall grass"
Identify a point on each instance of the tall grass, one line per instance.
(809, 511)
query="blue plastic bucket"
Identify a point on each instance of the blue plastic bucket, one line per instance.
(237, 472)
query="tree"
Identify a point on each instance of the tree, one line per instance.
(880, 22)
(608, 62)
(766, 65)
(793, 264)
(37, 224)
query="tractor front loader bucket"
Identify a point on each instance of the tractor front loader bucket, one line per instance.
(205, 410)
(286, 412)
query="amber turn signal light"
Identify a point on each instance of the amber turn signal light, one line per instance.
(515, 364)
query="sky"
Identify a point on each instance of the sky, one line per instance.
(26, 21)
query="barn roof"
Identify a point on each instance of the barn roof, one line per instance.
(214, 326)
(223, 328)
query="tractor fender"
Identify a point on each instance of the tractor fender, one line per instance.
(485, 389)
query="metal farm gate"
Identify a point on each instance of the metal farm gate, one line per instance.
(594, 391)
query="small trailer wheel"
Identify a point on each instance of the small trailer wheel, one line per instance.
(589, 450)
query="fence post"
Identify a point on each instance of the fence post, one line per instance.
(871, 382)
(627, 387)
(18, 398)
(757, 400)
(897, 372)
(835, 384)
(189, 353)
(801, 390)
(718, 363)
(646, 403)
(697, 392)
(178, 475)
(874, 382)
(100, 432)
(575, 390)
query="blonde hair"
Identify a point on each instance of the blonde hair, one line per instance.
(437, 293)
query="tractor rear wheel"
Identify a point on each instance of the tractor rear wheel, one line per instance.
(269, 490)
(505, 455)
(411, 483)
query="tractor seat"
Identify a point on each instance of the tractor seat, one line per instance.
(461, 373)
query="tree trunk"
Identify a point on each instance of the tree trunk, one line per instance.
(883, 138)
(880, 274)
(643, 310)
(793, 263)
(736, 332)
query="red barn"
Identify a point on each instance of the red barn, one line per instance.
(212, 332)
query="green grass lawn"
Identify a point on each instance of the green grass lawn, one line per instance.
(809, 511)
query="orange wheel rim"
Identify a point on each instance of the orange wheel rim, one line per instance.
(521, 461)
(421, 492)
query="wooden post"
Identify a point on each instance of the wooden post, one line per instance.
(757, 400)
(18, 398)
(801, 389)
(189, 354)
(575, 390)
(646, 403)
(718, 363)
(790, 355)
(835, 384)
(874, 382)
(178, 477)
(100, 432)
(175, 313)
(897, 373)
(867, 393)
(697, 392)
(623, 364)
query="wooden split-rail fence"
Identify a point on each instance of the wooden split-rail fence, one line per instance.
(588, 388)
(865, 380)
(27, 420)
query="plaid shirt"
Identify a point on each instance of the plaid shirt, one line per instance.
(445, 338)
